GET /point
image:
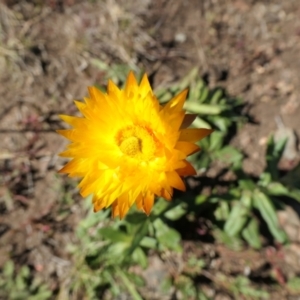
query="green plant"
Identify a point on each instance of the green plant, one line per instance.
(293, 285)
(108, 249)
(213, 108)
(236, 210)
(241, 287)
(19, 284)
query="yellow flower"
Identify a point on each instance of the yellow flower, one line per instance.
(128, 148)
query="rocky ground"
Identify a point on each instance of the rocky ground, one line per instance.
(50, 51)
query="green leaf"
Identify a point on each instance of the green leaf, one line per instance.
(41, 295)
(24, 272)
(291, 179)
(280, 189)
(164, 95)
(115, 252)
(186, 81)
(203, 109)
(200, 199)
(251, 234)
(136, 279)
(176, 212)
(196, 90)
(222, 211)
(92, 218)
(148, 242)
(186, 286)
(115, 235)
(128, 284)
(140, 233)
(204, 161)
(20, 283)
(140, 257)
(116, 72)
(237, 219)
(246, 199)
(295, 194)
(160, 206)
(8, 269)
(222, 123)
(108, 277)
(264, 179)
(136, 218)
(167, 237)
(216, 96)
(233, 242)
(246, 184)
(273, 155)
(277, 189)
(200, 123)
(204, 94)
(294, 284)
(239, 215)
(230, 155)
(216, 141)
(242, 287)
(265, 206)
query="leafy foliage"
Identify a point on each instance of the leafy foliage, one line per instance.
(238, 207)
(19, 285)
(241, 287)
(214, 109)
(107, 249)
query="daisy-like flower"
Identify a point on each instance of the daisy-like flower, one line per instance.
(128, 148)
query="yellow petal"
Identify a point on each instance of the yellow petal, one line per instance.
(148, 202)
(67, 133)
(123, 203)
(95, 94)
(176, 104)
(113, 193)
(166, 194)
(112, 88)
(91, 182)
(71, 167)
(73, 121)
(187, 148)
(81, 106)
(175, 120)
(127, 148)
(179, 164)
(186, 170)
(115, 209)
(131, 83)
(175, 181)
(145, 86)
(188, 120)
(98, 204)
(194, 134)
(139, 202)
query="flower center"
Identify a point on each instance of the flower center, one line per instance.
(138, 142)
(131, 146)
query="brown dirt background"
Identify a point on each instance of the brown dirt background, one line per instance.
(249, 47)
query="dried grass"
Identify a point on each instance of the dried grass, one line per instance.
(42, 50)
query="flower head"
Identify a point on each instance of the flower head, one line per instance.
(128, 148)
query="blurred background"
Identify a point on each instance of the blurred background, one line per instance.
(235, 233)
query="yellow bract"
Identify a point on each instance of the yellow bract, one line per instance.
(127, 148)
